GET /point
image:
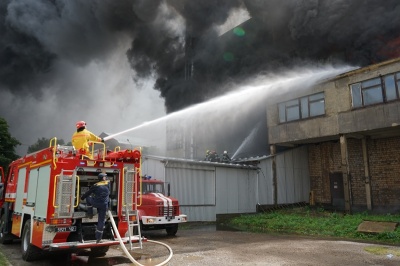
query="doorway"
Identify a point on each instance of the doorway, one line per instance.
(337, 190)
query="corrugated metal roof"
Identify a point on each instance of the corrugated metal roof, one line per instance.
(252, 159)
(191, 161)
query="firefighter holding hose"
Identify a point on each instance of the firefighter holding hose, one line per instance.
(82, 136)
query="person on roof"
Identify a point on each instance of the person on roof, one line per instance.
(212, 156)
(207, 158)
(82, 136)
(98, 196)
(225, 157)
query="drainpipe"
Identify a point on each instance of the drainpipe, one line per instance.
(165, 166)
(257, 188)
(345, 173)
(274, 176)
(366, 173)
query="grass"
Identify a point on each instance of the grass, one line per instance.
(3, 260)
(317, 222)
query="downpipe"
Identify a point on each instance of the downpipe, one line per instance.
(126, 250)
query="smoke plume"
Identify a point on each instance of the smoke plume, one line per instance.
(279, 35)
(107, 62)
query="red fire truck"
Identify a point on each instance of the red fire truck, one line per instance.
(40, 200)
(156, 210)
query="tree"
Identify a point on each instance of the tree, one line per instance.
(7, 145)
(41, 144)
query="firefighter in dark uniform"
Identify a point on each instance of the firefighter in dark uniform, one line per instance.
(98, 196)
(225, 157)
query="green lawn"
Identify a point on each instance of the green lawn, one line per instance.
(317, 222)
(3, 260)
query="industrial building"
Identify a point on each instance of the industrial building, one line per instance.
(335, 144)
(351, 128)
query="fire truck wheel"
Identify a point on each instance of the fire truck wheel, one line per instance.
(99, 251)
(172, 230)
(4, 238)
(29, 251)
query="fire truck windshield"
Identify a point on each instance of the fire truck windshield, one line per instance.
(153, 188)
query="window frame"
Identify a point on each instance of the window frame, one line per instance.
(359, 90)
(304, 106)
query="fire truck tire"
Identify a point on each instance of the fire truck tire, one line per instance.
(29, 251)
(4, 238)
(172, 230)
(99, 251)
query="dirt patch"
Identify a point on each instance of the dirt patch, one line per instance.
(376, 227)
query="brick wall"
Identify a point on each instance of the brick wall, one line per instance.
(384, 160)
(384, 157)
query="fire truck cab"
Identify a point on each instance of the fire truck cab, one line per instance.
(157, 209)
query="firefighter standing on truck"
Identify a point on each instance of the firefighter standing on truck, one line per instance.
(82, 136)
(98, 196)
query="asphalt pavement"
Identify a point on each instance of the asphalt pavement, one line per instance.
(202, 245)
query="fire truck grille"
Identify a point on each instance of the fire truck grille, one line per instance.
(168, 211)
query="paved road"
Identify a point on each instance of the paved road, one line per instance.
(204, 245)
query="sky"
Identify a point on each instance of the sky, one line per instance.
(118, 63)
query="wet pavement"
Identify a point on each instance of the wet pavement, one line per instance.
(204, 245)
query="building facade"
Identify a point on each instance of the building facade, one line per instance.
(351, 127)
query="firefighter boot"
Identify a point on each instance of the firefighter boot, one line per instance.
(99, 235)
(89, 212)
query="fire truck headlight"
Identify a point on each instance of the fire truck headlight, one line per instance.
(151, 220)
(184, 219)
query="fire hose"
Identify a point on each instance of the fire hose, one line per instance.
(126, 250)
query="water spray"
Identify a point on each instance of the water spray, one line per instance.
(249, 138)
(232, 112)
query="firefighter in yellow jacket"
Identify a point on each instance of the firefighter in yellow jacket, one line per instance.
(82, 136)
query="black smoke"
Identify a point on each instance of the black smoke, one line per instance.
(176, 42)
(279, 35)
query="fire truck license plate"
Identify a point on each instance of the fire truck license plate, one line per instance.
(66, 229)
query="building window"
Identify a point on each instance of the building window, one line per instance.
(302, 108)
(375, 91)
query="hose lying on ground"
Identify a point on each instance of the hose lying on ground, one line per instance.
(126, 250)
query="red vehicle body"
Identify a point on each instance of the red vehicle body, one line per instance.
(156, 210)
(40, 199)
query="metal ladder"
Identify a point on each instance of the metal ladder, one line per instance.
(64, 197)
(130, 203)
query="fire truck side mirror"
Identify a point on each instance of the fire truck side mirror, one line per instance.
(2, 177)
(168, 190)
(2, 181)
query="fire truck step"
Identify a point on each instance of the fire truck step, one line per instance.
(92, 243)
